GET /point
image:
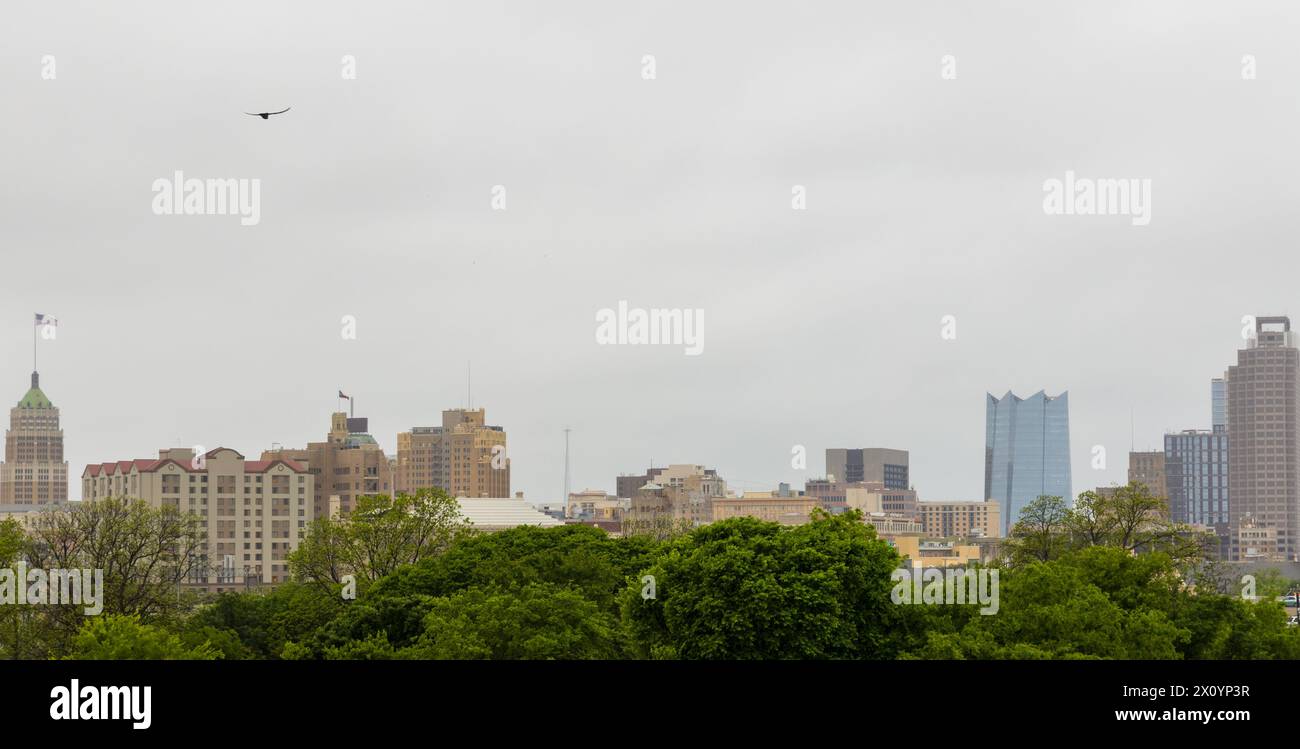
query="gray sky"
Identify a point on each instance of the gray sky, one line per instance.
(924, 198)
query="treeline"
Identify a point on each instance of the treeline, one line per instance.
(407, 579)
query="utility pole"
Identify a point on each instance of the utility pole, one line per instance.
(566, 466)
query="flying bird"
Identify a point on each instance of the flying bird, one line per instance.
(267, 115)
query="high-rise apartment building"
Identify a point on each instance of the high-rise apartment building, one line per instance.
(869, 465)
(348, 464)
(1148, 468)
(970, 519)
(419, 459)
(1196, 471)
(252, 513)
(33, 471)
(465, 456)
(476, 463)
(1263, 453)
(1026, 451)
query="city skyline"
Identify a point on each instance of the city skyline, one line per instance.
(812, 472)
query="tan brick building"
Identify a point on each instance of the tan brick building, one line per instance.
(594, 504)
(465, 456)
(254, 512)
(875, 496)
(765, 506)
(348, 464)
(1149, 468)
(970, 519)
(33, 471)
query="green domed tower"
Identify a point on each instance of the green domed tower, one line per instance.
(33, 472)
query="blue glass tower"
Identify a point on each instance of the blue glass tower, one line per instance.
(1218, 405)
(1026, 451)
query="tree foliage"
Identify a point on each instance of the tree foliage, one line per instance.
(382, 534)
(748, 589)
(117, 637)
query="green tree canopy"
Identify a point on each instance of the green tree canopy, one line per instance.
(748, 589)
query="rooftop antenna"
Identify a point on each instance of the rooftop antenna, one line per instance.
(566, 464)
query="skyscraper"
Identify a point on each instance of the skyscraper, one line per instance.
(1148, 469)
(870, 464)
(1263, 454)
(465, 456)
(1026, 451)
(1196, 471)
(33, 472)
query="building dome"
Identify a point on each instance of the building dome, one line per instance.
(35, 397)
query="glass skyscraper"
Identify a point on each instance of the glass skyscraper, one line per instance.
(1026, 451)
(1218, 405)
(1196, 465)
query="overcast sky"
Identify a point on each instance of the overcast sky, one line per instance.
(822, 326)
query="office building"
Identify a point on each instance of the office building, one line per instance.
(1148, 468)
(1196, 471)
(627, 485)
(465, 456)
(1026, 451)
(419, 459)
(348, 464)
(971, 519)
(873, 496)
(866, 465)
(1263, 454)
(33, 472)
(1218, 405)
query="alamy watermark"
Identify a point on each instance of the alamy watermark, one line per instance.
(212, 197)
(1083, 196)
(633, 326)
(53, 587)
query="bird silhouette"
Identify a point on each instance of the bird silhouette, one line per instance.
(267, 115)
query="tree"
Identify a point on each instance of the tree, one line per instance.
(125, 638)
(263, 622)
(748, 589)
(1131, 519)
(658, 526)
(1040, 533)
(1097, 603)
(382, 534)
(579, 556)
(1139, 521)
(144, 553)
(20, 628)
(539, 621)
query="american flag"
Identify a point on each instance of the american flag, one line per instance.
(45, 320)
